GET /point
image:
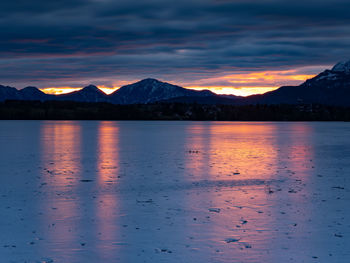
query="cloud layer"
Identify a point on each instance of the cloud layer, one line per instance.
(73, 43)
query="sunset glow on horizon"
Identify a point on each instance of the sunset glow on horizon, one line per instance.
(66, 90)
(246, 84)
(241, 91)
(239, 84)
(59, 90)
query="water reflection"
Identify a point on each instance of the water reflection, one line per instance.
(61, 169)
(134, 191)
(61, 147)
(106, 201)
(243, 151)
(238, 155)
(108, 152)
(198, 152)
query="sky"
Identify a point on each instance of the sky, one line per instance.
(236, 47)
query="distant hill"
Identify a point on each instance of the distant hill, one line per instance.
(152, 90)
(28, 93)
(88, 94)
(144, 91)
(330, 87)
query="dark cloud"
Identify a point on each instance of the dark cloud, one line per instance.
(48, 42)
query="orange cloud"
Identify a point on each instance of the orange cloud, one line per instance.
(59, 90)
(65, 90)
(245, 84)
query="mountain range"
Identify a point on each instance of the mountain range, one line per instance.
(330, 87)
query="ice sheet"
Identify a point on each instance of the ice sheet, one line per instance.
(74, 191)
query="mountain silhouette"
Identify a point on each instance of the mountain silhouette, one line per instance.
(152, 90)
(330, 87)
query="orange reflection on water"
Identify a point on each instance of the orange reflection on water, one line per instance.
(196, 149)
(61, 161)
(232, 151)
(243, 151)
(107, 152)
(245, 162)
(234, 157)
(61, 151)
(106, 201)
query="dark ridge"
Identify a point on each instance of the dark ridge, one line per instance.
(70, 110)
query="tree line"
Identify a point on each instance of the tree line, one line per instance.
(68, 110)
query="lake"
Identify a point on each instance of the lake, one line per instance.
(135, 191)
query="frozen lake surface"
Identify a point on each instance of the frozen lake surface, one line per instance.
(76, 191)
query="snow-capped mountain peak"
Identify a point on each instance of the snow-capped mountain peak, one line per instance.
(339, 72)
(150, 90)
(343, 66)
